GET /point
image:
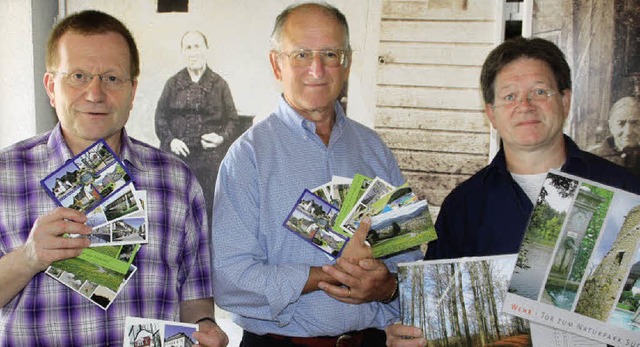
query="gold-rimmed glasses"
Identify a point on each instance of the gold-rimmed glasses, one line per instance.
(535, 95)
(81, 79)
(304, 57)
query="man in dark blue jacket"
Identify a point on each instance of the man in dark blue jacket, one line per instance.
(526, 85)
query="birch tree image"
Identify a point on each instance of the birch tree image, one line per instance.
(458, 303)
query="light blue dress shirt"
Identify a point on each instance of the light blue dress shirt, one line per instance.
(260, 267)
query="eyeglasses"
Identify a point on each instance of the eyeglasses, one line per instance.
(81, 79)
(535, 95)
(304, 57)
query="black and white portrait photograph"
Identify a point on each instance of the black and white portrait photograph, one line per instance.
(601, 40)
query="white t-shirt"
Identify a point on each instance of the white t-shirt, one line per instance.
(531, 184)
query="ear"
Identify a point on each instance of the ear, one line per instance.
(49, 83)
(488, 109)
(347, 66)
(274, 59)
(133, 92)
(566, 102)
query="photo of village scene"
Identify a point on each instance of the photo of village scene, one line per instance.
(122, 231)
(85, 181)
(98, 274)
(335, 191)
(311, 219)
(580, 252)
(129, 228)
(458, 302)
(142, 332)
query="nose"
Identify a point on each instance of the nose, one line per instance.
(94, 91)
(317, 66)
(525, 99)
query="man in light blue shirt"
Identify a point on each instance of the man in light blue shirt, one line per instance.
(282, 290)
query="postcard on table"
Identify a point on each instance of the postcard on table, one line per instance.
(86, 180)
(457, 302)
(160, 333)
(311, 219)
(578, 268)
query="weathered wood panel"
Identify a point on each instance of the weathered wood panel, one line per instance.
(441, 31)
(433, 53)
(435, 141)
(443, 163)
(424, 97)
(550, 15)
(429, 105)
(440, 9)
(471, 121)
(429, 75)
(433, 187)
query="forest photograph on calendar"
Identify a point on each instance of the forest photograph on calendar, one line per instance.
(458, 302)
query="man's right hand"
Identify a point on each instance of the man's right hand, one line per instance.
(178, 147)
(46, 243)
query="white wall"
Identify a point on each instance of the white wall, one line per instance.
(238, 33)
(17, 107)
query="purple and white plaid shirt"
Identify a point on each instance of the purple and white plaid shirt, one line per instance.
(174, 266)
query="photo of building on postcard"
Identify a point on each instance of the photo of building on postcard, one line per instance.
(578, 267)
(458, 302)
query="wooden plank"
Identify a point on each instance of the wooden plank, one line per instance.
(434, 98)
(441, 31)
(433, 187)
(429, 75)
(549, 15)
(436, 141)
(390, 117)
(437, 162)
(439, 9)
(433, 53)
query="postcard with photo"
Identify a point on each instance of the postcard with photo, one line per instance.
(323, 192)
(311, 219)
(377, 189)
(130, 229)
(457, 302)
(578, 268)
(159, 333)
(399, 228)
(358, 186)
(98, 274)
(84, 182)
(338, 188)
(399, 221)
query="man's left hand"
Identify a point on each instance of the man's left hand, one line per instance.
(363, 278)
(210, 335)
(364, 281)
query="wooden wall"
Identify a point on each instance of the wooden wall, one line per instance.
(429, 105)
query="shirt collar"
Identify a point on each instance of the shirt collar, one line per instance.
(128, 152)
(575, 159)
(303, 127)
(61, 153)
